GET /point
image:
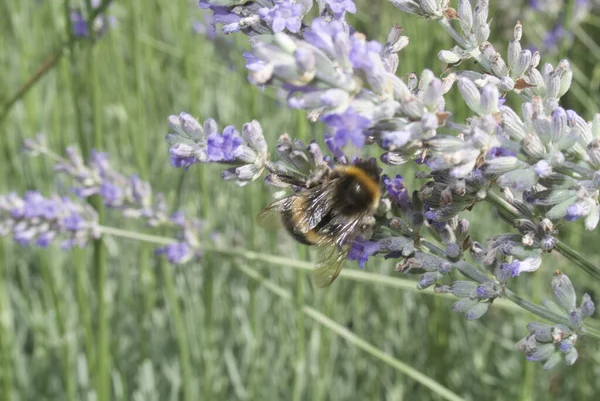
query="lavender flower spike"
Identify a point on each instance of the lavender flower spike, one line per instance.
(37, 220)
(191, 143)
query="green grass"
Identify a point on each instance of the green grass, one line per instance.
(228, 327)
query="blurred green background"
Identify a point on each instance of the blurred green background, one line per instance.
(205, 330)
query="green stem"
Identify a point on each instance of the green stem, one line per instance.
(511, 301)
(84, 309)
(353, 339)
(6, 344)
(103, 357)
(282, 262)
(578, 259)
(180, 332)
(67, 357)
(560, 246)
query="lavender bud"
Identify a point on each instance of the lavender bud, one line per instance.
(445, 268)
(565, 78)
(575, 319)
(463, 289)
(526, 344)
(486, 290)
(541, 331)
(567, 344)
(552, 86)
(453, 252)
(482, 33)
(489, 99)
(470, 93)
(587, 305)
(571, 357)
(564, 293)
(507, 84)
(522, 63)
(537, 80)
(428, 279)
(591, 220)
(542, 352)
(244, 154)
(554, 360)
(253, 134)
(463, 305)
(513, 125)
(449, 57)
(548, 243)
(477, 311)
(533, 146)
(501, 165)
(593, 151)
(433, 94)
(465, 14)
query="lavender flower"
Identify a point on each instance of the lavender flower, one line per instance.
(35, 219)
(221, 148)
(347, 127)
(285, 14)
(340, 7)
(192, 143)
(551, 344)
(361, 251)
(537, 167)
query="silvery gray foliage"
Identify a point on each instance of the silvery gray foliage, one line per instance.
(538, 165)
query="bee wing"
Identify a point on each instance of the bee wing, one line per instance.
(332, 255)
(270, 216)
(329, 264)
(318, 204)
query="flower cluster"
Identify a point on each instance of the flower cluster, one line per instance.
(130, 195)
(538, 167)
(37, 220)
(193, 143)
(550, 344)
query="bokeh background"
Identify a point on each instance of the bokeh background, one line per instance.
(205, 330)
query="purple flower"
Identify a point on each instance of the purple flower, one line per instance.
(335, 150)
(45, 239)
(221, 148)
(528, 265)
(577, 210)
(111, 193)
(79, 24)
(181, 158)
(178, 252)
(283, 15)
(347, 126)
(339, 7)
(325, 35)
(361, 251)
(36, 219)
(365, 55)
(397, 191)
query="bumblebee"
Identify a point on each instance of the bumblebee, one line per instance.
(329, 209)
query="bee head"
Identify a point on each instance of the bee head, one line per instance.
(369, 166)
